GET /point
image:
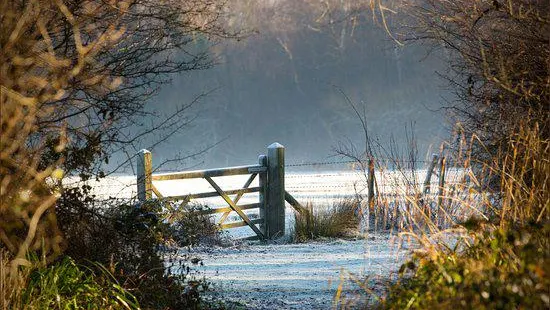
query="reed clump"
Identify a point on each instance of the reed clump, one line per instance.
(340, 220)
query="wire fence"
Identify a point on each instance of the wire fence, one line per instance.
(351, 164)
(321, 163)
(378, 160)
(316, 184)
(345, 175)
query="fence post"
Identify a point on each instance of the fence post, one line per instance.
(144, 179)
(429, 172)
(441, 192)
(275, 210)
(370, 181)
(262, 184)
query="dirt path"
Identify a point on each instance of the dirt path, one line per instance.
(295, 276)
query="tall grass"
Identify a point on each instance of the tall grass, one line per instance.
(61, 285)
(339, 220)
(498, 258)
(483, 241)
(497, 269)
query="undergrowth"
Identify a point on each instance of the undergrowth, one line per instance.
(140, 242)
(498, 259)
(500, 269)
(194, 226)
(61, 285)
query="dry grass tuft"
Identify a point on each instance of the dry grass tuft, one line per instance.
(341, 220)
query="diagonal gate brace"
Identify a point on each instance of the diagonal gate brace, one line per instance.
(238, 197)
(234, 207)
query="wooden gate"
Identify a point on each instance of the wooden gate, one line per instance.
(270, 172)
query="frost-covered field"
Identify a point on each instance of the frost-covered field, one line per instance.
(319, 188)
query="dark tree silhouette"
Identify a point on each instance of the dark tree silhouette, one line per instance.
(499, 63)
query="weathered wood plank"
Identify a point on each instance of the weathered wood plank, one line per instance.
(262, 183)
(212, 194)
(144, 169)
(234, 207)
(209, 173)
(370, 183)
(160, 196)
(295, 204)
(429, 172)
(441, 191)
(228, 209)
(251, 238)
(241, 224)
(156, 192)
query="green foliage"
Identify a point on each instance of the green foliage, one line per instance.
(337, 221)
(502, 269)
(65, 285)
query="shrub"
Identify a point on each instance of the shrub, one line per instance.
(336, 221)
(498, 64)
(502, 269)
(193, 226)
(133, 239)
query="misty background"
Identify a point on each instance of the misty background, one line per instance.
(284, 81)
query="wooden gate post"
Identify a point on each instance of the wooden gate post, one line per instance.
(441, 192)
(275, 210)
(370, 182)
(429, 172)
(144, 178)
(262, 184)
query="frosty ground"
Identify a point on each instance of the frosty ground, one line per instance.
(280, 274)
(298, 276)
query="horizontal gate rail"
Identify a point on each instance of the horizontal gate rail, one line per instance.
(212, 194)
(211, 173)
(228, 209)
(241, 224)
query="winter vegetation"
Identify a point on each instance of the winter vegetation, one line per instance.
(79, 89)
(337, 221)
